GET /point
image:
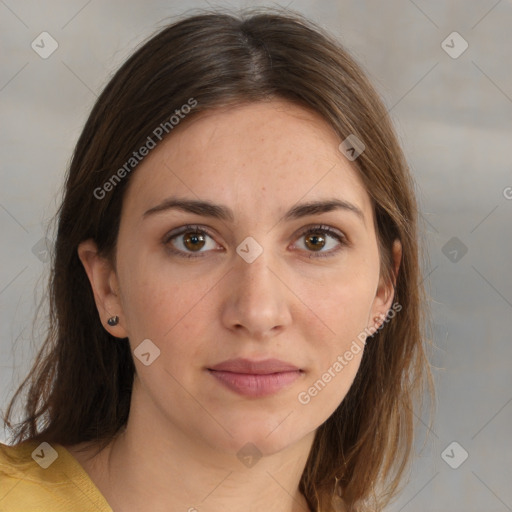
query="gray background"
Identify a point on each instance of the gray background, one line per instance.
(454, 118)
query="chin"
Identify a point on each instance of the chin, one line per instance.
(259, 435)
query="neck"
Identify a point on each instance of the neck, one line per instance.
(148, 467)
(146, 477)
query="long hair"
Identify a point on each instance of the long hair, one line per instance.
(81, 382)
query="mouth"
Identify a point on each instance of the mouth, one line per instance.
(255, 378)
(249, 366)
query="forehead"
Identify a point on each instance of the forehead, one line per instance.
(273, 151)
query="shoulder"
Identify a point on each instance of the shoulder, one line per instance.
(43, 477)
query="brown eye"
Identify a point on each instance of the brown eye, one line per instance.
(189, 242)
(315, 242)
(193, 241)
(319, 237)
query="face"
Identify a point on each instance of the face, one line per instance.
(267, 279)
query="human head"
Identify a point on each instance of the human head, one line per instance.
(219, 62)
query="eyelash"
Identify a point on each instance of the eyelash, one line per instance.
(318, 229)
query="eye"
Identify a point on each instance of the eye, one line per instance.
(189, 241)
(316, 239)
(189, 238)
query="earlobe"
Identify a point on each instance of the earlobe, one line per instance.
(103, 281)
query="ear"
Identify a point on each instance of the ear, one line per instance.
(386, 289)
(104, 284)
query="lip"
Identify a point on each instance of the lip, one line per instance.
(255, 378)
(250, 366)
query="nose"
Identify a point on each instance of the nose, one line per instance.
(257, 299)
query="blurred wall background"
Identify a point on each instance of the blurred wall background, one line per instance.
(452, 107)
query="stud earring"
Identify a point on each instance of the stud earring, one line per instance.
(113, 321)
(378, 321)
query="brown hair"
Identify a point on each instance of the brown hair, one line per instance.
(81, 381)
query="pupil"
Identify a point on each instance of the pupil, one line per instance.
(195, 237)
(315, 239)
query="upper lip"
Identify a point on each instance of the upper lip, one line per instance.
(264, 367)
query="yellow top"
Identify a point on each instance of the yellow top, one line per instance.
(39, 477)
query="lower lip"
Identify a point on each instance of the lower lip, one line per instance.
(256, 385)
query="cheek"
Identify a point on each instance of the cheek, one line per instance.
(344, 305)
(335, 356)
(166, 307)
(338, 346)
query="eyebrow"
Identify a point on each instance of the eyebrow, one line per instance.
(221, 212)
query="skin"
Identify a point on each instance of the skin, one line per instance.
(185, 428)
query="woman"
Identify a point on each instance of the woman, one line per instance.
(236, 303)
